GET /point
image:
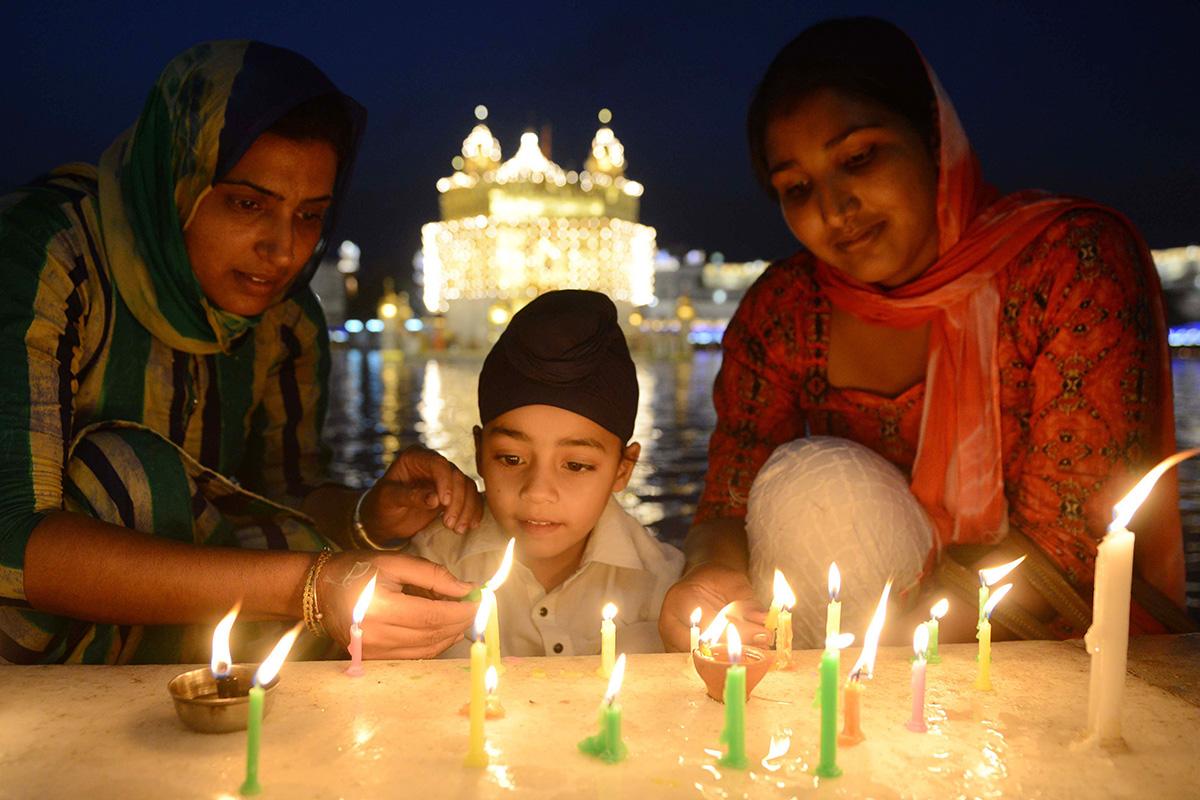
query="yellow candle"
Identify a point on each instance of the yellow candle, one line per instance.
(984, 679)
(489, 588)
(608, 640)
(476, 752)
(783, 640)
(694, 639)
(833, 615)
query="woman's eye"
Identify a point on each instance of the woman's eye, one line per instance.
(312, 216)
(577, 466)
(509, 460)
(246, 204)
(796, 192)
(861, 158)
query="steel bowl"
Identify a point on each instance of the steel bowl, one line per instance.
(200, 706)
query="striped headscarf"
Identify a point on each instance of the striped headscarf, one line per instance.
(208, 106)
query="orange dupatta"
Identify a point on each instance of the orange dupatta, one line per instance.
(958, 475)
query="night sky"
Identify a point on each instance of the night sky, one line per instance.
(1097, 99)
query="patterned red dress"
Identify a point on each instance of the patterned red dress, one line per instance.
(1078, 400)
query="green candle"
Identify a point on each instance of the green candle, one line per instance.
(734, 735)
(265, 673)
(936, 613)
(830, 667)
(253, 733)
(607, 745)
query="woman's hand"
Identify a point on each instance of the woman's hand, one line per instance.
(397, 624)
(418, 486)
(710, 587)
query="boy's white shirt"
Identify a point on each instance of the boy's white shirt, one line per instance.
(622, 563)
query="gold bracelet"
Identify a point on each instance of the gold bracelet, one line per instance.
(309, 605)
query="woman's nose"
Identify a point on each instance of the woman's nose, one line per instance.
(837, 201)
(277, 242)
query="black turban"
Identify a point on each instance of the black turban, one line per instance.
(564, 349)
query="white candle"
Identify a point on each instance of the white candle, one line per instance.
(694, 638)
(355, 669)
(916, 722)
(1107, 640)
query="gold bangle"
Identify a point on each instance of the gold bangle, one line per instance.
(309, 605)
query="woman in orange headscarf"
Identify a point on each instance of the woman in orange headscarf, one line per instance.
(1006, 354)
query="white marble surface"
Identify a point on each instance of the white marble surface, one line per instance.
(101, 732)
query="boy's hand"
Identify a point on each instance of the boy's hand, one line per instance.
(397, 624)
(418, 486)
(711, 587)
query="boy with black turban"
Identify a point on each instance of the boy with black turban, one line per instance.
(558, 395)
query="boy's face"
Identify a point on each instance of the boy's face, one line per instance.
(548, 474)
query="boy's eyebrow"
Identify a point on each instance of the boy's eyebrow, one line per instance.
(275, 195)
(513, 433)
(580, 443)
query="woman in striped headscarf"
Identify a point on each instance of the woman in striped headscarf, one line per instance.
(165, 374)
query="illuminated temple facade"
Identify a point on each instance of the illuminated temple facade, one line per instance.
(513, 229)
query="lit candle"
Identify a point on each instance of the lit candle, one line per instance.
(713, 632)
(492, 684)
(783, 600)
(1107, 639)
(694, 639)
(489, 590)
(476, 753)
(773, 611)
(607, 744)
(360, 610)
(833, 615)
(830, 666)
(222, 661)
(936, 613)
(916, 723)
(864, 668)
(984, 679)
(265, 673)
(608, 640)
(990, 577)
(734, 735)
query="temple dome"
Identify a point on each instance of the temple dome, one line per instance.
(530, 164)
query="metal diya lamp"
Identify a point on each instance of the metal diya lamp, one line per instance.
(713, 665)
(216, 699)
(204, 706)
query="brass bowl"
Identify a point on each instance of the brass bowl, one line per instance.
(202, 709)
(712, 668)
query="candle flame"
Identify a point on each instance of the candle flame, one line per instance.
(921, 639)
(784, 596)
(490, 680)
(939, 609)
(715, 628)
(481, 616)
(835, 581)
(608, 612)
(1125, 509)
(614, 680)
(364, 600)
(995, 599)
(865, 666)
(779, 748)
(696, 616)
(735, 644)
(839, 641)
(269, 668)
(221, 658)
(497, 580)
(993, 575)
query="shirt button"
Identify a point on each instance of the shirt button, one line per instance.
(543, 611)
(558, 648)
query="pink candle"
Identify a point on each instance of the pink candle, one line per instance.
(920, 643)
(355, 647)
